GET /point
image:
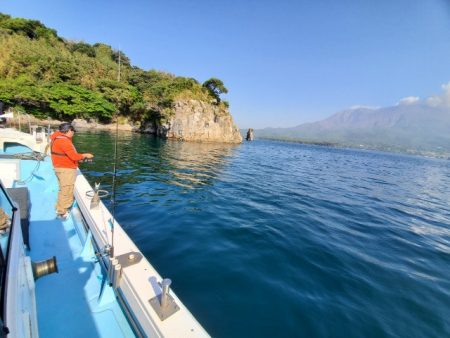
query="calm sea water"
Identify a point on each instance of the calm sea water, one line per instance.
(273, 239)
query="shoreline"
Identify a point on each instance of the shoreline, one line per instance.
(83, 125)
(23, 120)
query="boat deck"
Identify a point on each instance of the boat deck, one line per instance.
(76, 302)
(79, 301)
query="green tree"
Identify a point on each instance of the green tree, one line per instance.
(125, 97)
(83, 48)
(33, 29)
(49, 76)
(21, 91)
(215, 87)
(76, 101)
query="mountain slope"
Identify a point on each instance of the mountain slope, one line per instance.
(417, 127)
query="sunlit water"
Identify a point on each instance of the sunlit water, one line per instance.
(273, 239)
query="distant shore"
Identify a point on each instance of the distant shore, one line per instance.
(315, 143)
(388, 149)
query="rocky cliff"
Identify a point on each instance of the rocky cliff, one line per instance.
(195, 120)
(191, 120)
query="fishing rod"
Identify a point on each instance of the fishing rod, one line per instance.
(113, 195)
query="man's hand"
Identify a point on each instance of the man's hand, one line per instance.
(88, 155)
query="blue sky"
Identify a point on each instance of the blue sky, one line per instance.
(284, 62)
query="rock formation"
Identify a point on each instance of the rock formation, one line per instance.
(83, 124)
(195, 120)
(250, 136)
(192, 120)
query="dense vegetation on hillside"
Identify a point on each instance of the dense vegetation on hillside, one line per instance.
(48, 76)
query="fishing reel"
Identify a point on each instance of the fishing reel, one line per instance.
(96, 194)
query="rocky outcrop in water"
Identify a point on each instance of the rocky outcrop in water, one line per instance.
(195, 120)
(250, 136)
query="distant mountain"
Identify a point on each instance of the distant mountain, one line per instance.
(416, 128)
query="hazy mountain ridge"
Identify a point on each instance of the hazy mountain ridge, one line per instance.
(417, 128)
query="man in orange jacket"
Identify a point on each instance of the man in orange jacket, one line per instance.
(65, 161)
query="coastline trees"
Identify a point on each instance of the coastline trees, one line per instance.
(215, 87)
(49, 76)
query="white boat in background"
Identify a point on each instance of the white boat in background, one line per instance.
(105, 286)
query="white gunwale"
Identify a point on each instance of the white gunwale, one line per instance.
(136, 283)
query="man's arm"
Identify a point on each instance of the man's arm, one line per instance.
(69, 149)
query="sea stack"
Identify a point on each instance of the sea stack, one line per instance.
(250, 135)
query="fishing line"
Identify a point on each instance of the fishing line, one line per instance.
(113, 196)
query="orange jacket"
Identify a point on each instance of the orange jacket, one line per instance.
(64, 154)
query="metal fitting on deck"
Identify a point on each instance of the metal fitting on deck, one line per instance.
(112, 263)
(96, 194)
(163, 304)
(117, 276)
(44, 268)
(165, 285)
